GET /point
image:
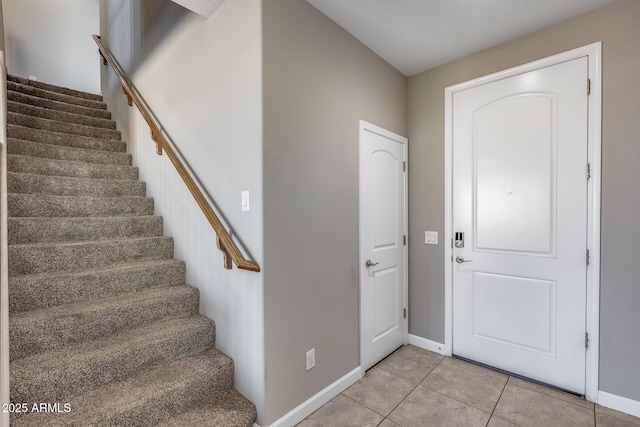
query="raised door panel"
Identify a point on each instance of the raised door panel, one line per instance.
(515, 171)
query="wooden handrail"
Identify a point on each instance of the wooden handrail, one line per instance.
(225, 242)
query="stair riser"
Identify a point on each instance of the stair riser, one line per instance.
(35, 334)
(53, 167)
(54, 88)
(61, 116)
(71, 186)
(41, 258)
(113, 363)
(55, 126)
(30, 205)
(64, 139)
(57, 106)
(44, 151)
(33, 292)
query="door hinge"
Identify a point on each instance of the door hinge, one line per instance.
(404, 239)
(405, 313)
(588, 86)
(586, 340)
(404, 166)
(587, 256)
(588, 170)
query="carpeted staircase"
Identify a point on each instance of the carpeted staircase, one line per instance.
(100, 316)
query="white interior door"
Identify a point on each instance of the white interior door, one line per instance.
(520, 198)
(383, 207)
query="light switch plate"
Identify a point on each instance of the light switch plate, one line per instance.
(430, 237)
(311, 359)
(245, 201)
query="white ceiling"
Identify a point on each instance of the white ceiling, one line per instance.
(417, 35)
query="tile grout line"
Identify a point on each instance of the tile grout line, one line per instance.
(417, 385)
(409, 393)
(444, 395)
(360, 404)
(467, 404)
(498, 401)
(554, 397)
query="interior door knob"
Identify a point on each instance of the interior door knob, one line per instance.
(371, 264)
(460, 259)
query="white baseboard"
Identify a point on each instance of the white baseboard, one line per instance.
(315, 402)
(426, 344)
(622, 404)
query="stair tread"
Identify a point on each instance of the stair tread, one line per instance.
(148, 398)
(57, 96)
(31, 183)
(232, 410)
(36, 331)
(89, 242)
(74, 256)
(61, 152)
(54, 88)
(62, 127)
(71, 168)
(60, 359)
(52, 104)
(53, 229)
(48, 376)
(132, 298)
(61, 139)
(42, 205)
(15, 174)
(97, 270)
(25, 291)
(59, 115)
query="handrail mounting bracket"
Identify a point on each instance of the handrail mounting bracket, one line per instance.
(225, 254)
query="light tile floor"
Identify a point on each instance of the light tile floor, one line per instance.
(416, 387)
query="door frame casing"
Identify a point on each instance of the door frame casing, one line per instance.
(365, 126)
(594, 142)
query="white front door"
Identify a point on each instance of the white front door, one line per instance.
(383, 222)
(520, 205)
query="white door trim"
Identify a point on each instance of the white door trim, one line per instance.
(366, 126)
(594, 53)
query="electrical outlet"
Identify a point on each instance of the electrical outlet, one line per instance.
(34, 78)
(311, 359)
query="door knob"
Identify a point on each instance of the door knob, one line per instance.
(460, 259)
(371, 264)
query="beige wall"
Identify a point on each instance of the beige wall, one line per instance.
(617, 27)
(318, 83)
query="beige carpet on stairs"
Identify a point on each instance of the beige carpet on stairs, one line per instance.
(104, 331)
